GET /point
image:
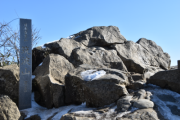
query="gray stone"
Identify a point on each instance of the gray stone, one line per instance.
(100, 36)
(9, 81)
(167, 79)
(136, 85)
(60, 47)
(161, 57)
(97, 56)
(143, 103)
(123, 104)
(137, 58)
(96, 93)
(8, 109)
(25, 82)
(51, 92)
(55, 65)
(142, 114)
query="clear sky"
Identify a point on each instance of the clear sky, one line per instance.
(157, 20)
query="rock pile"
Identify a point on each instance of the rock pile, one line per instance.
(98, 67)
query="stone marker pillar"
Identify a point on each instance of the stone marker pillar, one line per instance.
(25, 82)
(178, 64)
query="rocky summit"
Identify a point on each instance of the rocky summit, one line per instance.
(95, 74)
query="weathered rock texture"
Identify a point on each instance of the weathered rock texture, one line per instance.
(9, 81)
(55, 65)
(50, 92)
(99, 92)
(64, 47)
(97, 56)
(8, 109)
(100, 36)
(143, 103)
(161, 57)
(141, 55)
(124, 103)
(167, 79)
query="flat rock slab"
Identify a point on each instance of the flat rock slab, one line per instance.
(143, 103)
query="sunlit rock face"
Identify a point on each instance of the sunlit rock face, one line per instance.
(95, 91)
(97, 74)
(167, 79)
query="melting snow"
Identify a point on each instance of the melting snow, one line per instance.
(164, 98)
(90, 75)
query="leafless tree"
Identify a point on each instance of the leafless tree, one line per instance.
(10, 39)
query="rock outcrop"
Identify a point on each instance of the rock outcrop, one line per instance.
(97, 56)
(55, 65)
(49, 80)
(9, 81)
(50, 92)
(96, 68)
(64, 47)
(100, 36)
(8, 109)
(97, 92)
(167, 79)
(142, 55)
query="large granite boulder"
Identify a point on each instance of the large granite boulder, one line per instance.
(100, 36)
(167, 79)
(64, 47)
(9, 81)
(95, 92)
(8, 109)
(97, 56)
(55, 65)
(50, 93)
(137, 58)
(161, 57)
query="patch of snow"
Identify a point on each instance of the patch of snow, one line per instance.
(90, 75)
(71, 36)
(45, 113)
(163, 104)
(62, 111)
